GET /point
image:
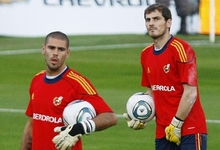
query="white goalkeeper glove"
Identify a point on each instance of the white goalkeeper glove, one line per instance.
(134, 124)
(173, 131)
(70, 134)
(64, 140)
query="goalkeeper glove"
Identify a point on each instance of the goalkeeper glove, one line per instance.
(134, 124)
(173, 131)
(70, 134)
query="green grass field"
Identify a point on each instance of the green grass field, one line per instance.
(111, 62)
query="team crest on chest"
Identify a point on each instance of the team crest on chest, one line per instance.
(32, 96)
(148, 70)
(166, 68)
(57, 100)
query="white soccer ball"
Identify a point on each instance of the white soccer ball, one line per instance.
(140, 106)
(78, 111)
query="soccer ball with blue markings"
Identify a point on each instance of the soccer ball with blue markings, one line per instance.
(78, 111)
(140, 106)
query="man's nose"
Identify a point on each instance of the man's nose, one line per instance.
(55, 52)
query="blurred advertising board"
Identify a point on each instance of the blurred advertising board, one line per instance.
(31, 18)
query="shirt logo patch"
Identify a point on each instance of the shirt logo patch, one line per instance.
(166, 68)
(32, 96)
(57, 100)
(148, 70)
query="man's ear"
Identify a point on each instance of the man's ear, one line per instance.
(43, 49)
(169, 23)
(68, 53)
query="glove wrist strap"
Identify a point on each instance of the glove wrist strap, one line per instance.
(76, 129)
(84, 127)
(177, 123)
(88, 126)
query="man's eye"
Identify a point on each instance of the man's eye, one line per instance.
(51, 47)
(61, 49)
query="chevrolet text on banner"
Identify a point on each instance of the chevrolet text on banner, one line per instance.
(74, 17)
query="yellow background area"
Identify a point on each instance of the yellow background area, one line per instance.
(205, 16)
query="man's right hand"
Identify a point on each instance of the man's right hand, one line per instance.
(134, 124)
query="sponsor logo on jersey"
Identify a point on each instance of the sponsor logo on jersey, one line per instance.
(166, 68)
(163, 88)
(47, 118)
(57, 100)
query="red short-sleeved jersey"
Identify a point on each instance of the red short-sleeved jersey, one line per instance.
(48, 97)
(165, 71)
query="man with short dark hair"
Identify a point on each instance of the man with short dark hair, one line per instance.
(50, 92)
(170, 75)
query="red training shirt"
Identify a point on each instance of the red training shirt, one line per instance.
(165, 71)
(48, 98)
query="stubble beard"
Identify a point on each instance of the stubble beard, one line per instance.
(52, 67)
(157, 36)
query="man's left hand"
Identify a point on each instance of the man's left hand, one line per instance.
(173, 131)
(65, 141)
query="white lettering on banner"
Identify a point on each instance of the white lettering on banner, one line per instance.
(163, 88)
(99, 2)
(105, 17)
(46, 118)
